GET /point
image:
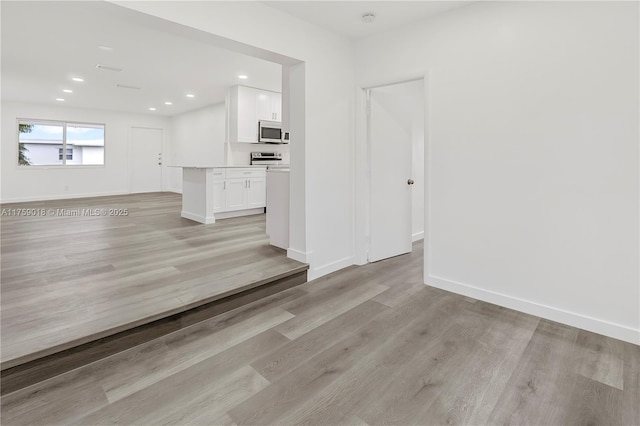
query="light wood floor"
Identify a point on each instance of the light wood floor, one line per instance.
(366, 345)
(67, 280)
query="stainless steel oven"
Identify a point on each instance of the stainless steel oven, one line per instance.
(266, 158)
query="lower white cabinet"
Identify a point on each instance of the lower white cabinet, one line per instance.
(236, 194)
(257, 192)
(240, 189)
(218, 190)
(219, 195)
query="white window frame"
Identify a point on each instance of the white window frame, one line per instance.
(63, 124)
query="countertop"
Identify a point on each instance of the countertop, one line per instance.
(278, 169)
(257, 166)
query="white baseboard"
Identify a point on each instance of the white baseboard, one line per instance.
(595, 325)
(329, 268)
(417, 236)
(202, 219)
(237, 213)
(62, 197)
(298, 255)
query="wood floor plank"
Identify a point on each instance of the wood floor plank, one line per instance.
(631, 386)
(308, 320)
(592, 403)
(600, 359)
(469, 396)
(294, 388)
(340, 399)
(198, 391)
(58, 401)
(537, 391)
(189, 348)
(278, 363)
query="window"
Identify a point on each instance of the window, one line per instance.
(51, 143)
(69, 154)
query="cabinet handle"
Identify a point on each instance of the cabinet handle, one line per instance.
(224, 185)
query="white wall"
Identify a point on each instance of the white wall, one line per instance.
(532, 154)
(41, 183)
(197, 138)
(321, 168)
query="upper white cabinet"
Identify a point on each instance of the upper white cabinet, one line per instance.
(247, 106)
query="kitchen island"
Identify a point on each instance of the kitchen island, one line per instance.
(219, 192)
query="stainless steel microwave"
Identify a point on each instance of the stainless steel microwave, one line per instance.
(269, 131)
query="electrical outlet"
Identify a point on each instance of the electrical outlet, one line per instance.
(66, 187)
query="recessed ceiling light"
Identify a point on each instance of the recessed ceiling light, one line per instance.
(126, 86)
(168, 103)
(59, 99)
(105, 48)
(152, 109)
(108, 68)
(67, 90)
(78, 79)
(243, 77)
(368, 18)
(190, 95)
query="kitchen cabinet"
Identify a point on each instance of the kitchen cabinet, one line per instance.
(219, 192)
(245, 188)
(257, 192)
(246, 107)
(235, 194)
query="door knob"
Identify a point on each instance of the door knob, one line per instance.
(410, 182)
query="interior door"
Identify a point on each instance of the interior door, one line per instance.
(145, 153)
(390, 167)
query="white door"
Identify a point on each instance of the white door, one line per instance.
(145, 159)
(390, 147)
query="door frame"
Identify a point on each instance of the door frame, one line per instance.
(130, 157)
(363, 169)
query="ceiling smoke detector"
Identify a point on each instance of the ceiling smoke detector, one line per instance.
(368, 18)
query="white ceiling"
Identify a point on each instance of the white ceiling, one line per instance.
(344, 17)
(45, 44)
